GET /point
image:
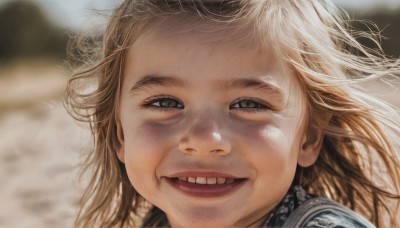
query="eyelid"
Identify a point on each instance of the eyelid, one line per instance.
(147, 103)
(266, 105)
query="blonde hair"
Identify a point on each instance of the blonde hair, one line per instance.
(357, 165)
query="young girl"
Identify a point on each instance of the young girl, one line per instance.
(236, 113)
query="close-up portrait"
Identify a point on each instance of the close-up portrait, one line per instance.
(200, 113)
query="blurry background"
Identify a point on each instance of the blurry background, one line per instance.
(40, 145)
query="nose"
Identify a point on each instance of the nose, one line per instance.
(205, 135)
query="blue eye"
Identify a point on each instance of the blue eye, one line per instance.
(163, 103)
(167, 103)
(250, 105)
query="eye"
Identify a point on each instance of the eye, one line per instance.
(163, 103)
(250, 104)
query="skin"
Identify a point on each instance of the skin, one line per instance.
(205, 129)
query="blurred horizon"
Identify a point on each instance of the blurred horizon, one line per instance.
(76, 15)
(41, 28)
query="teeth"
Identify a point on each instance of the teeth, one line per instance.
(221, 180)
(183, 178)
(192, 180)
(211, 180)
(201, 180)
(207, 180)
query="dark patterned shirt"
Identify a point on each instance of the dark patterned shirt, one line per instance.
(293, 198)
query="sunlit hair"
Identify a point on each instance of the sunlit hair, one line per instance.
(357, 165)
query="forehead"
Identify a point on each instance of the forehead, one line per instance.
(166, 47)
(185, 36)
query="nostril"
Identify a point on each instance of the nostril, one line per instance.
(205, 145)
(216, 151)
(190, 150)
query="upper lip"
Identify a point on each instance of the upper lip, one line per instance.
(203, 174)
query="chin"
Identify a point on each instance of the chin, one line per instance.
(201, 223)
(203, 219)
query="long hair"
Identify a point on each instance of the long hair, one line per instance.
(357, 166)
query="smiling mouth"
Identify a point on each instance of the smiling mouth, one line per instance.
(207, 180)
(206, 186)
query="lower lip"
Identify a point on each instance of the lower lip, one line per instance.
(205, 190)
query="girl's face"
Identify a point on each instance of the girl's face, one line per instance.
(224, 115)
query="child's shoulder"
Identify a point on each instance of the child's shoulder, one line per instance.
(323, 212)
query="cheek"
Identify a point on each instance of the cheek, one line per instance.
(270, 149)
(267, 140)
(271, 153)
(146, 144)
(148, 136)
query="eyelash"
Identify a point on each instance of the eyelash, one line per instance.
(150, 103)
(260, 105)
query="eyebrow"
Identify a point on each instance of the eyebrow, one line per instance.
(236, 83)
(259, 85)
(157, 80)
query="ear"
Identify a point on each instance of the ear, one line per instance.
(120, 134)
(310, 147)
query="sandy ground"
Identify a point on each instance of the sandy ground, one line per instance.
(40, 150)
(41, 147)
